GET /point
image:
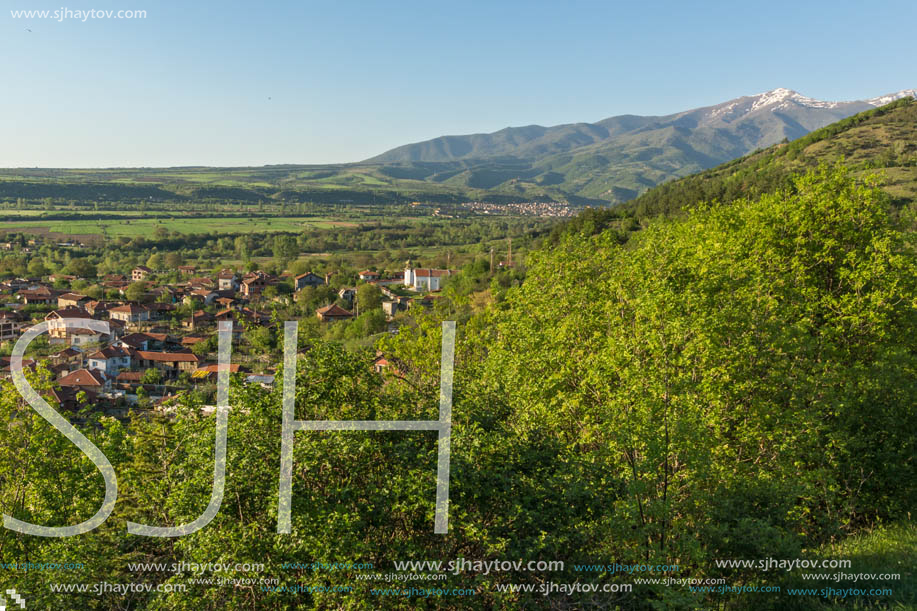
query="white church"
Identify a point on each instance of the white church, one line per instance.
(425, 279)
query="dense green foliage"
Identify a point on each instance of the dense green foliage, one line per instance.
(737, 383)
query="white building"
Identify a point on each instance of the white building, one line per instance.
(425, 279)
(130, 313)
(227, 280)
(110, 360)
(82, 337)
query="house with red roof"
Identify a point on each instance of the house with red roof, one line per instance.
(254, 284)
(130, 313)
(72, 300)
(57, 325)
(308, 279)
(169, 362)
(140, 273)
(86, 379)
(227, 281)
(333, 312)
(11, 324)
(110, 360)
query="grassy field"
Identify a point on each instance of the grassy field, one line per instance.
(889, 549)
(146, 226)
(334, 183)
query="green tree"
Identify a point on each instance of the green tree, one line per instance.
(152, 376)
(154, 261)
(369, 297)
(205, 347)
(262, 340)
(173, 260)
(37, 268)
(82, 268)
(136, 291)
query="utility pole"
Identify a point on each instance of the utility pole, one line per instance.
(491, 260)
(510, 256)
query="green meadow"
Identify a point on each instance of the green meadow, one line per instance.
(188, 225)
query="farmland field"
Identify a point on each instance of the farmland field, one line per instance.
(146, 226)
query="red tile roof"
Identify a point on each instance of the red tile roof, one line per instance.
(73, 296)
(130, 308)
(333, 310)
(168, 357)
(68, 313)
(109, 353)
(83, 377)
(432, 273)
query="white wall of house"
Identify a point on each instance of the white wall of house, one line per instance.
(111, 366)
(418, 282)
(414, 280)
(128, 317)
(81, 339)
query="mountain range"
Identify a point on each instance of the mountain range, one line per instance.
(607, 162)
(881, 141)
(617, 158)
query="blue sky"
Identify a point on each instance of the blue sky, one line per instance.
(190, 84)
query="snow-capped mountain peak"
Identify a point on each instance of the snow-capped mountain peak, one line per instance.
(891, 97)
(769, 101)
(782, 96)
(774, 96)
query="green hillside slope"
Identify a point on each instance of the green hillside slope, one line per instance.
(882, 139)
(611, 161)
(616, 159)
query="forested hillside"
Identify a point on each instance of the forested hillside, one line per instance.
(883, 141)
(620, 157)
(737, 382)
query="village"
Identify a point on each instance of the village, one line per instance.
(162, 332)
